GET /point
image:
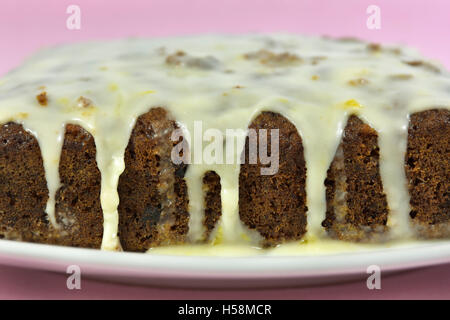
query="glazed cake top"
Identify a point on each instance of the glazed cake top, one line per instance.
(225, 81)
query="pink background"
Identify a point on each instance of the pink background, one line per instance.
(27, 25)
(430, 283)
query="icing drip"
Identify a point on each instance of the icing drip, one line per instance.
(392, 139)
(196, 202)
(50, 142)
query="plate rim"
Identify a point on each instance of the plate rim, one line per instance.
(141, 265)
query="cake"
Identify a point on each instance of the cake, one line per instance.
(141, 143)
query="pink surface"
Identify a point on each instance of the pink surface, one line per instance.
(430, 283)
(28, 25)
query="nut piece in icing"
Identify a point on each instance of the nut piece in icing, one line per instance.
(419, 63)
(42, 98)
(83, 102)
(180, 58)
(270, 58)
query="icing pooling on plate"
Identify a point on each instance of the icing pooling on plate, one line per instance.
(225, 81)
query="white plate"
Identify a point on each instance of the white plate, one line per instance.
(221, 272)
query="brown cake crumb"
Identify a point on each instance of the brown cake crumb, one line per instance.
(273, 59)
(180, 58)
(42, 98)
(83, 102)
(174, 59)
(419, 63)
(374, 47)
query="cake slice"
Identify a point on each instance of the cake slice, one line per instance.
(356, 204)
(153, 208)
(427, 165)
(23, 188)
(275, 204)
(78, 211)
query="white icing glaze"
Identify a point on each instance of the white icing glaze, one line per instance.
(317, 92)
